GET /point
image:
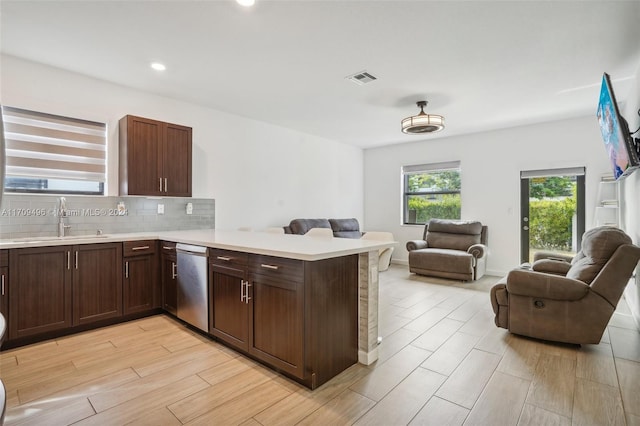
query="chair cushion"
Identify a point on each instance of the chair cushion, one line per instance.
(598, 245)
(442, 260)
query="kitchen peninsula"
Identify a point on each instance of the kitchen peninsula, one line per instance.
(306, 306)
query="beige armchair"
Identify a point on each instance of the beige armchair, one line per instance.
(450, 249)
(563, 301)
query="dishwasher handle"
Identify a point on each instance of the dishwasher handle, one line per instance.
(192, 250)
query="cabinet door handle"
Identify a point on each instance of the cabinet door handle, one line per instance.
(174, 274)
(68, 261)
(3, 284)
(126, 269)
(246, 289)
(269, 266)
(165, 185)
(160, 179)
(167, 247)
(76, 259)
(241, 291)
(225, 258)
(139, 248)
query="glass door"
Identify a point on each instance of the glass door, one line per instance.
(552, 211)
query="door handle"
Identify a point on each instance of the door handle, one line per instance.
(174, 274)
(241, 290)
(165, 185)
(76, 259)
(3, 284)
(126, 269)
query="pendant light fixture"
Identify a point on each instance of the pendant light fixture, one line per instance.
(422, 123)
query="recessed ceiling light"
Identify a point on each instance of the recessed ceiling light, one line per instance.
(158, 66)
(246, 3)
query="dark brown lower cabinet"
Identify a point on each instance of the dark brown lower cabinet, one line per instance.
(40, 293)
(141, 287)
(96, 282)
(169, 271)
(54, 288)
(4, 285)
(299, 317)
(228, 298)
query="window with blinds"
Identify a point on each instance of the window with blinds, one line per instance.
(431, 191)
(48, 153)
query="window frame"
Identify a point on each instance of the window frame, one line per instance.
(408, 171)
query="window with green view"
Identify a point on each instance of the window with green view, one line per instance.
(431, 191)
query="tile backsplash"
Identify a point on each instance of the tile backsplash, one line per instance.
(25, 215)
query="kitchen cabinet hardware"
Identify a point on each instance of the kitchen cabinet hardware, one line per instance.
(69, 260)
(126, 269)
(76, 259)
(3, 284)
(140, 248)
(174, 270)
(264, 265)
(225, 258)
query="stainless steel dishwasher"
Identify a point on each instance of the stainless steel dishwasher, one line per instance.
(192, 285)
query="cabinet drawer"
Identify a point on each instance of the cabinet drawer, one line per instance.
(138, 248)
(228, 258)
(168, 247)
(4, 258)
(277, 267)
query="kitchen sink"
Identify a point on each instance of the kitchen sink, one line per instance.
(66, 238)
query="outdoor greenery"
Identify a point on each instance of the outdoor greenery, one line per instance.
(552, 205)
(442, 207)
(436, 194)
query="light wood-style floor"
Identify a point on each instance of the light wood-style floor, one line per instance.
(442, 362)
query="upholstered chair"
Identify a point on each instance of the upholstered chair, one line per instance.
(452, 249)
(568, 301)
(320, 233)
(384, 256)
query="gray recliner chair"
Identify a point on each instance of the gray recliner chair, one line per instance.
(570, 302)
(450, 249)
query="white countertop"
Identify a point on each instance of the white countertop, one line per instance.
(291, 246)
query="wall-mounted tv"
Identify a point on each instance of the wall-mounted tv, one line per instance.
(622, 151)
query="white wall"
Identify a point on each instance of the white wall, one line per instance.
(630, 200)
(490, 166)
(259, 174)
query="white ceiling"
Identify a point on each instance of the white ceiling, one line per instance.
(483, 65)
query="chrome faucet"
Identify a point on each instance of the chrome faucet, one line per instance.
(62, 213)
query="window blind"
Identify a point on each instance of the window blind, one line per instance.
(421, 168)
(41, 145)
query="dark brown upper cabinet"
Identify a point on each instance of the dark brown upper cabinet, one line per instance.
(155, 157)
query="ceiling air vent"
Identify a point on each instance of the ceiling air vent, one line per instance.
(361, 78)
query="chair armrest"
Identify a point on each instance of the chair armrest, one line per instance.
(416, 245)
(551, 266)
(477, 250)
(545, 286)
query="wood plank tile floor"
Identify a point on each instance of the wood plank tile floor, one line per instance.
(442, 362)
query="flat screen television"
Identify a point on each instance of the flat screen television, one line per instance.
(620, 146)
